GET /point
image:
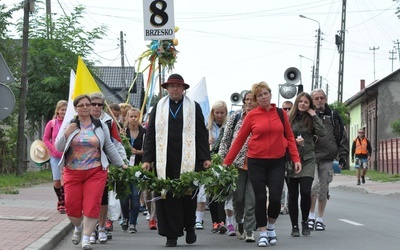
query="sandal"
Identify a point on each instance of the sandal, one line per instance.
(311, 224)
(93, 238)
(272, 239)
(86, 245)
(262, 242)
(319, 226)
(76, 237)
(102, 236)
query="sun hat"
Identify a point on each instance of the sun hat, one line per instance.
(39, 152)
(175, 78)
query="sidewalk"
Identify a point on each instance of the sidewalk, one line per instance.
(30, 220)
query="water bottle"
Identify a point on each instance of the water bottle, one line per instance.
(132, 160)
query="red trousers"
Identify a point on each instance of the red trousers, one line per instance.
(84, 191)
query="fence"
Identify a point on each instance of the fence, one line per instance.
(389, 156)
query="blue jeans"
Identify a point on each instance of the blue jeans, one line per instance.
(132, 202)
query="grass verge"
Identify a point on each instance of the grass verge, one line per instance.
(9, 183)
(375, 176)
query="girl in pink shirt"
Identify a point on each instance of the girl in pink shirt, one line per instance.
(49, 137)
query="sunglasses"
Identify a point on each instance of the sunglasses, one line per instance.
(97, 104)
(287, 109)
(361, 132)
(319, 98)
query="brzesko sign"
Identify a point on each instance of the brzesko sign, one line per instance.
(158, 19)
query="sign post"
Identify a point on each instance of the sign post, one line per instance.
(5, 73)
(158, 19)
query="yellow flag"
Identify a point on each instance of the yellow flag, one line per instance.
(84, 81)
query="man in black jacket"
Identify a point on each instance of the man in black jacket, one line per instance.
(334, 144)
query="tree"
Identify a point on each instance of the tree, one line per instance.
(343, 111)
(395, 125)
(50, 60)
(8, 130)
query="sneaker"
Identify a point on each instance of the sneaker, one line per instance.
(304, 229)
(132, 229)
(222, 228)
(311, 224)
(109, 225)
(250, 236)
(358, 182)
(148, 217)
(231, 230)
(145, 212)
(272, 239)
(199, 225)
(124, 225)
(262, 242)
(319, 226)
(363, 179)
(296, 231)
(215, 228)
(142, 208)
(284, 210)
(240, 231)
(152, 225)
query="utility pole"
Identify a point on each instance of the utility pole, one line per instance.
(124, 90)
(398, 48)
(340, 42)
(317, 61)
(373, 49)
(392, 57)
(318, 48)
(21, 142)
(49, 25)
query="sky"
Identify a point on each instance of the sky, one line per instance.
(234, 44)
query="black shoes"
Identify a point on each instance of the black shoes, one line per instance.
(171, 242)
(363, 179)
(191, 236)
(305, 230)
(295, 231)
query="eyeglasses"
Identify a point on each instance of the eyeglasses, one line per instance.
(287, 109)
(319, 98)
(361, 132)
(83, 105)
(97, 104)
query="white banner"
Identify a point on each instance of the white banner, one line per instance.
(158, 20)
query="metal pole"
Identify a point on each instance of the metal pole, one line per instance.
(317, 63)
(318, 51)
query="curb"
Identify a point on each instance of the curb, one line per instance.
(49, 240)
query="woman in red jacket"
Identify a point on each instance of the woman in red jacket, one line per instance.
(266, 158)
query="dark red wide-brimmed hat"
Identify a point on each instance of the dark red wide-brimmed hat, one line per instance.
(175, 78)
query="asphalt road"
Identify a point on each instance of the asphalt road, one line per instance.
(353, 220)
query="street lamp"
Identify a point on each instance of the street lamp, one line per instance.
(318, 45)
(313, 68)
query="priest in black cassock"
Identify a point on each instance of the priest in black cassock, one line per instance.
(177, 142)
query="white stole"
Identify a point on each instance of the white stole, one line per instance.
(188, 135)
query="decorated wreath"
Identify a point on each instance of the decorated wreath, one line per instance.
(219, 181)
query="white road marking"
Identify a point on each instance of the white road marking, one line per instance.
(351, 222)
